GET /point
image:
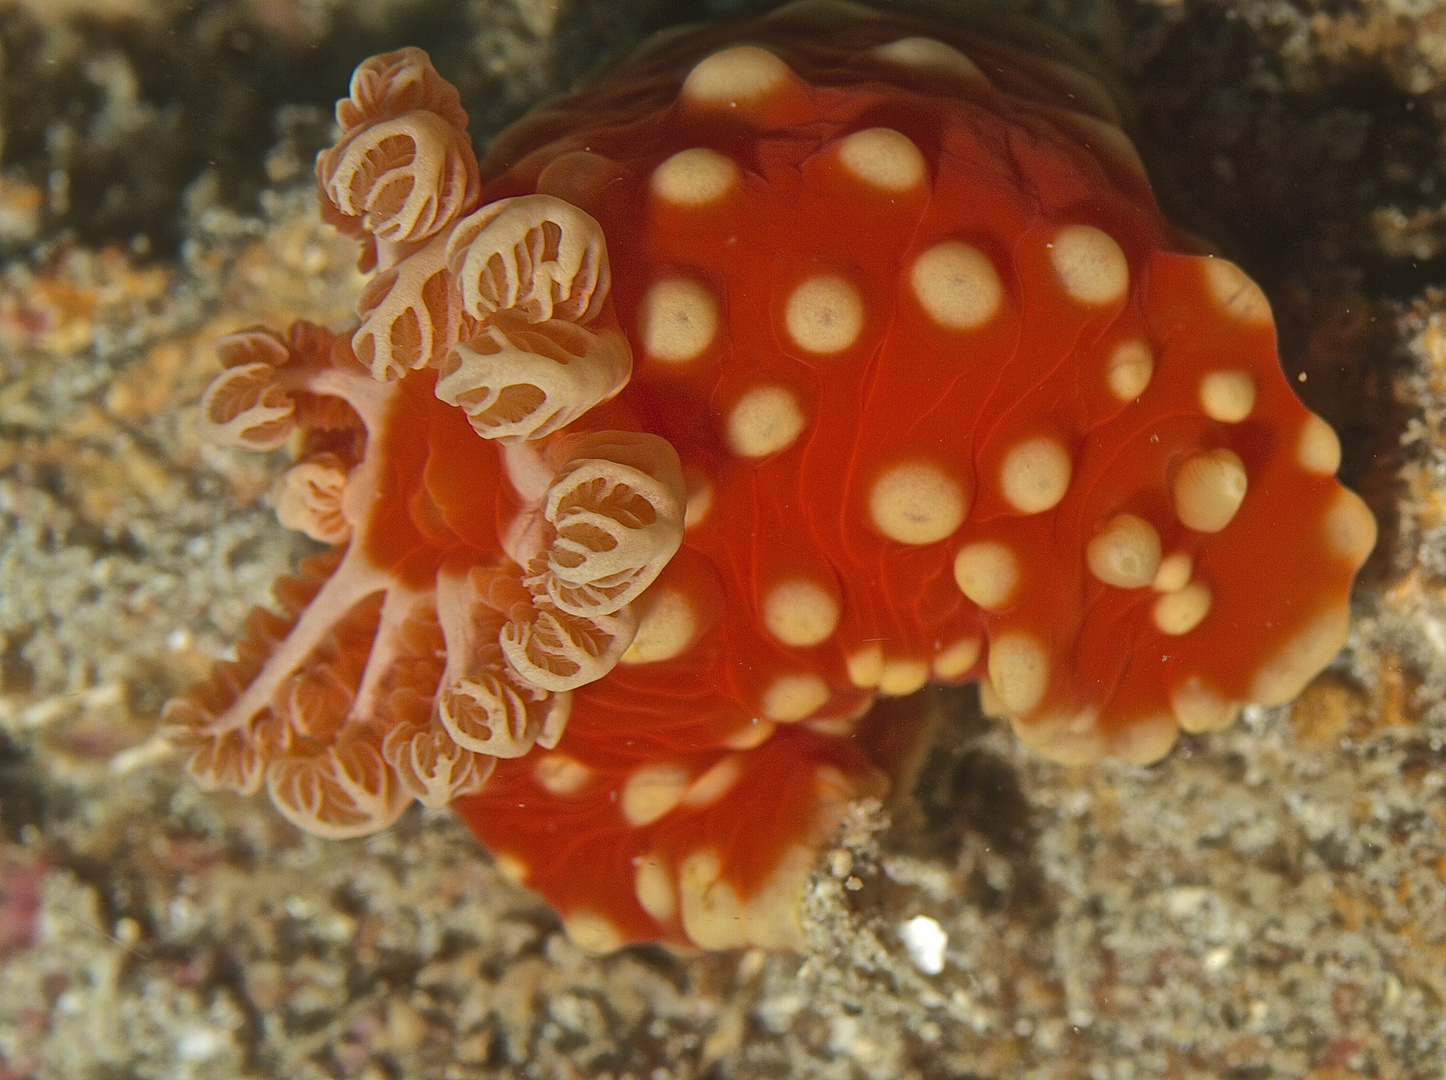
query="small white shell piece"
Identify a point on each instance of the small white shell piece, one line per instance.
(534, 255)
(926, 942)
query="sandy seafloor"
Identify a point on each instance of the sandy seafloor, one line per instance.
(1266, 902)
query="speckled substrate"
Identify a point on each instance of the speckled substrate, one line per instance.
(1267, 902)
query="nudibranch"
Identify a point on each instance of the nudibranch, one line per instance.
(793, 364)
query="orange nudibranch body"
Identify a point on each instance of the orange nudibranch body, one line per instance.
(815, 358)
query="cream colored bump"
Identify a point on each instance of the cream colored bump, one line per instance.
(652, 791)
(1064, 738)
(1285, 674)
(700, 499)
(1174, 573)
(1018, 671)
(558, 774)
(712, 913)
(1350, 528)
(654, 887)
(765, 420)
(987, 572)
(834, 790)
(926, 55)
(917, 503)
(902, 677)
(579, 177)
(1125, 553)
(956, 285)
(694, 177)
(750, 736)
(1089, 265)
(954, 660)
(1129, 370)
(511, 867)
(1227, 396)
(800, 612)
(790, 698)
(835, 727)
(1209, 489)
(665, 630)
(1035, 475)
(1180, 612)
(883, 158)
(1199, 707)
(1319, 449)
(740, 75)
(1146, 740)
(771, 915)
(989, 703)
(866, 666)
(715, 783)
(825, 314)
(592, 932)
(679, 320)
(1236, 294)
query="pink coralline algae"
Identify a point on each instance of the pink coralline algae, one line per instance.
(792, 365)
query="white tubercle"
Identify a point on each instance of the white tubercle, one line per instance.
(739, 75)
(957, 285)
(1089, 265)
(825, 314)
